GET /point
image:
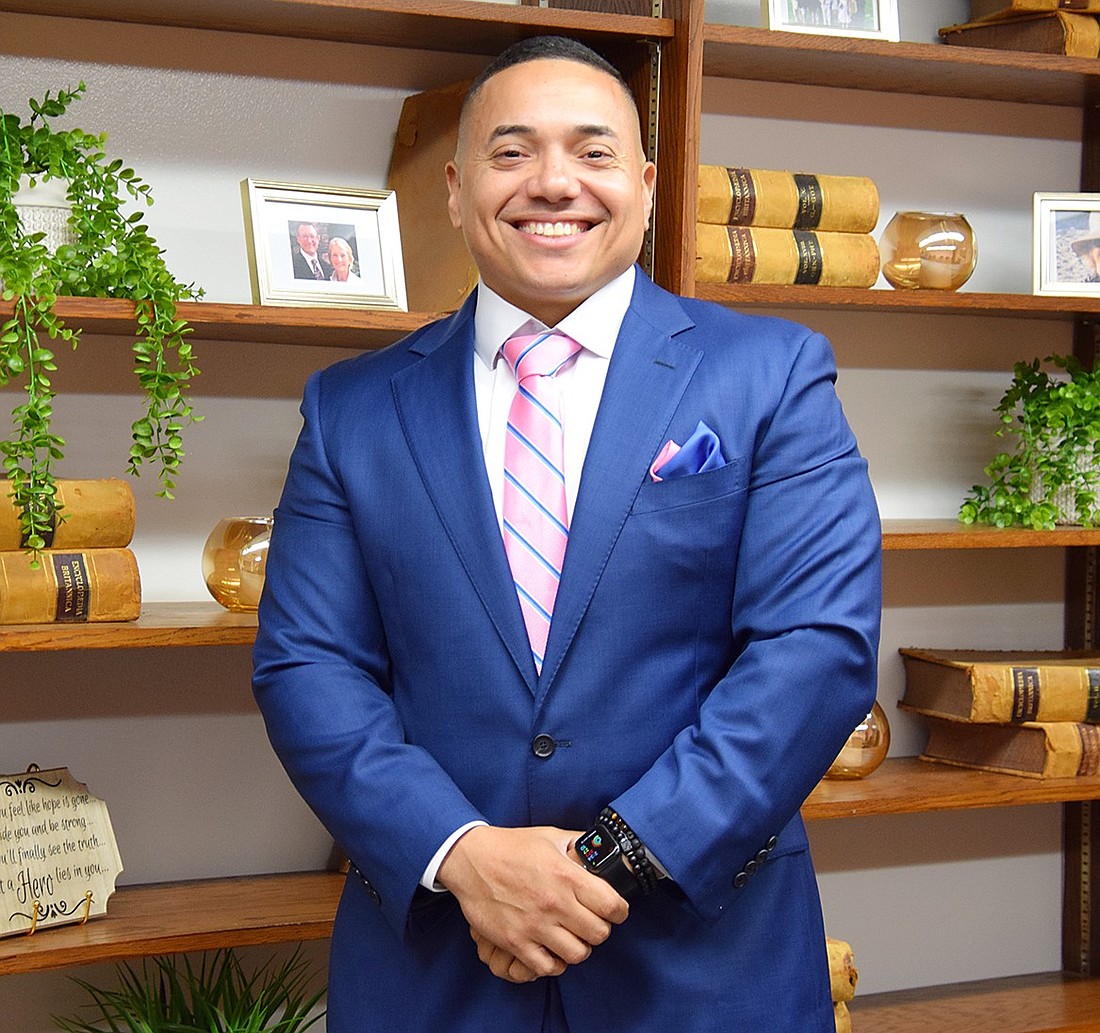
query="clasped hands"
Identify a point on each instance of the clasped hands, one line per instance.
(533, 909)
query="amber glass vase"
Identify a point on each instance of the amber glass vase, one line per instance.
(234, 559)
(865, 749)
(928, 251)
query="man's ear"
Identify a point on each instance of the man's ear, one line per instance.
(453, 188)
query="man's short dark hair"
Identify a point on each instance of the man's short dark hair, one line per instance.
(537, 48)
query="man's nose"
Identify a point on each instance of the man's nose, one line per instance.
(554, 178)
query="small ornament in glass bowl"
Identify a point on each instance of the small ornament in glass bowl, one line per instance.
(865, 749)
(234, 559)
(928, 251)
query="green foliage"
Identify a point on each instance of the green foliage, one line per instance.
(113, 257)
(173, 995)
(1056, 424)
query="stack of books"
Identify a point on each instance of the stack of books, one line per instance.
(779, 227)
(1040, 26)
(843, 976)
(86, 572)
(1034, 714)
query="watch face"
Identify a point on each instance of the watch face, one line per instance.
(596, 848)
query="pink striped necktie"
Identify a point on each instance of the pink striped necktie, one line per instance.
(536, 522)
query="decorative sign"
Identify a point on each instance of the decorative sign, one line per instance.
(58, 857)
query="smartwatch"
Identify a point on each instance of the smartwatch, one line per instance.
(602, 853)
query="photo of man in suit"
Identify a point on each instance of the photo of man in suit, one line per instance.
(308, 264)
(557, 661)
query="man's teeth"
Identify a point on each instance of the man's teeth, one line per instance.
(553, 229)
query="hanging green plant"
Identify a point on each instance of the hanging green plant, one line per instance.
(112, 256)
(172, 994)
(1053, 474)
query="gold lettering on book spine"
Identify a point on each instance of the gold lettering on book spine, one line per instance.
(811, 201)
(1026, 685)
(1090, 750)
(742, 255)
(810, 263)
(742, 197)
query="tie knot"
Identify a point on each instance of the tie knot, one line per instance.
(538, 355)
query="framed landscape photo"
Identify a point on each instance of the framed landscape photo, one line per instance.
(323, 245)
(860, 19)
(1066, 235)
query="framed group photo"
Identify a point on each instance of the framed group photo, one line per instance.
(860, 19)
(1066, 234)
(324, 245)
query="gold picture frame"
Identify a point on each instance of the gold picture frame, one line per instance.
(858, 19)
(357, 226)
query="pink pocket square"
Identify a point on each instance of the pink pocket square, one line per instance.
(700, 453)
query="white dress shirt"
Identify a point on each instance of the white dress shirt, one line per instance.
(595, 325)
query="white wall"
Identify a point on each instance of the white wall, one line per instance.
(170, 738)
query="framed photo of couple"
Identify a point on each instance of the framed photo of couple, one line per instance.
(860, 19)
(323, 245)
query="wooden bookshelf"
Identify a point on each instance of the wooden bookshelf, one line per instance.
(186, 916)
(951, 534)
(858, 299)
(927, 69)
(1053, 1002)
(906, 785)
(456, 26)
(160, 624)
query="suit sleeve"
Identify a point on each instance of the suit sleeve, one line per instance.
(322, 682)
(805, 625)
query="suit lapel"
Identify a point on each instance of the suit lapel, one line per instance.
(649, 372)
(436, 406)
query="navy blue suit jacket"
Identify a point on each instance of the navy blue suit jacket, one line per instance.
(713, 643)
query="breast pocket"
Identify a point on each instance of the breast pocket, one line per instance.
(692, 489)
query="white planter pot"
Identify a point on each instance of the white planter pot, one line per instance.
(1064, 499)
(44, 208)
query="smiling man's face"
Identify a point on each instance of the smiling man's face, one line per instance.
(549, 185)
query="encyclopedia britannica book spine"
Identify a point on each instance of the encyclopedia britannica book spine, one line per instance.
(786, 200)
(88, 585)
(765, 255)
(1002, 687)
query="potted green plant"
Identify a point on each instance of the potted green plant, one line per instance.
(111, 255)
(172, 994)
(1052, 476)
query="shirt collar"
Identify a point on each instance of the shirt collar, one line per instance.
(595, 323)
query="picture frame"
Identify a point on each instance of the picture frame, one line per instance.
(1064, 227)
(293, 226)
(858, 19)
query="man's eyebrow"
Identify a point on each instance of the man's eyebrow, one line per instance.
(518, 129)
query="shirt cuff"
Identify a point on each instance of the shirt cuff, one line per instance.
(427, 880)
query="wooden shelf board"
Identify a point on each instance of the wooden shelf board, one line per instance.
(1052, 1002)
(268, 324)
(906, 785)
(456, 26)
(931, 69)
(186, 916)
(952, 303)
(367, 330)
(160, 624)
(950, 534)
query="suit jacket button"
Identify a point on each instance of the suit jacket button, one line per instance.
(751, 867)
(770, 845)
(543, 746)
(739, 880)
(763, 856)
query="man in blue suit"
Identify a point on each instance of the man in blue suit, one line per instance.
(712, 641)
